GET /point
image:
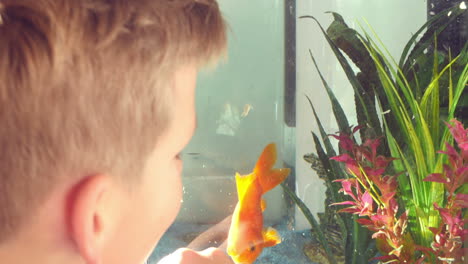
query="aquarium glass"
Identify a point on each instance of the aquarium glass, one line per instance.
(259, 94)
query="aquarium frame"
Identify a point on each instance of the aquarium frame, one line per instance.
(290, 63)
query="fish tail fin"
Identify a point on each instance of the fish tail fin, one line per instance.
(269, 177)
(274, 178)
(267, 159)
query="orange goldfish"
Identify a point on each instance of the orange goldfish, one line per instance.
(247, 236)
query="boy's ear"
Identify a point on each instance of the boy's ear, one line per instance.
(90, 215)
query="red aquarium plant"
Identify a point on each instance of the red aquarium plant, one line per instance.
(373, 196)
(450, 235)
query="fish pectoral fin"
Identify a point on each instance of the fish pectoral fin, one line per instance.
(263, 204)
(270, 237)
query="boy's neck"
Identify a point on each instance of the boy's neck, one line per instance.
(41, 240)
(26, 253)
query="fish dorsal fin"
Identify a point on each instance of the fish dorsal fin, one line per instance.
(243, 183)
(270, 237)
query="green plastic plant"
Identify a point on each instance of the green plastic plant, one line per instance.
(420, 134)
(373, 195)
(414, 104)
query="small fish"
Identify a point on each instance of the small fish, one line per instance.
(247, 236)
(246, 110)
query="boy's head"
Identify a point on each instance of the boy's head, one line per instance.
(96, 102)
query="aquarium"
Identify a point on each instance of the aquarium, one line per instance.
(387, 79)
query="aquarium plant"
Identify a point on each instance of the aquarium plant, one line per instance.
(450, 235)
(374, 200)
(401, 108)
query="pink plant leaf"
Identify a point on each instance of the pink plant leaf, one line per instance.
(346, 158)
(388, 184)
(375, 172)
(365, 222)
(445, 214)
(345, 141)
(461, 200)
(347, 184)
(382, 162)
(464, 234)
(344, 203)
(379, 234)
(357, 128)
(387, 197)
(381, 219)
(458, 132)
(451, 152)
(354, 169)
(463, 145)
(385, 258)
(363, 154)
(393, 205)
(462, 176)
(350, 210)
(436, 177)
(373, 144)
(347, 144)
(367, 201)
(434, 230)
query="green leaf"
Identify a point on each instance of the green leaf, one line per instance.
(332, 174)
(363, 99)
(433, 26)
(336, 107)
(313, 222)
(328, 146)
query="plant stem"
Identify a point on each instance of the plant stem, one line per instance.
(355, 239)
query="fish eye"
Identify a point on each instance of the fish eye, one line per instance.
(252, 247)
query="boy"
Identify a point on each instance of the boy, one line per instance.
(96, 102)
